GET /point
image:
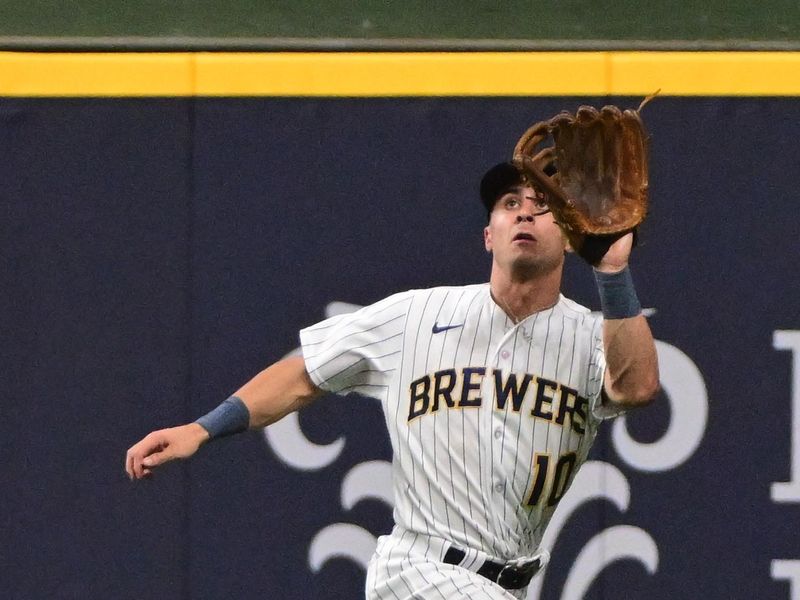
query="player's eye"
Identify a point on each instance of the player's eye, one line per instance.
(540, 200)
(511, 202)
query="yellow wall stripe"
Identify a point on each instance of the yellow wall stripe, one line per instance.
(707, 73)
(400, 74)
(100, 74)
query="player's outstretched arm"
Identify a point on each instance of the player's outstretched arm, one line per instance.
(631, 378)
(272, 394)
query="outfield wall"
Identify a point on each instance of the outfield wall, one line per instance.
(171, 220)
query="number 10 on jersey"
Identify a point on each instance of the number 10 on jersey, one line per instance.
(550, 481)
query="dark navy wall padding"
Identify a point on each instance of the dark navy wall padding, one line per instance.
(157, 253)
(95, 301)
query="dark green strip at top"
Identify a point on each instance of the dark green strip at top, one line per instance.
(349, 23)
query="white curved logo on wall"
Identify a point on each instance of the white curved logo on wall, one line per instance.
(596, 480)
(681, 382)
(287, 439)
(685, 389)
(367, 480)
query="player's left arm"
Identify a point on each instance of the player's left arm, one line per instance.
(631, 378)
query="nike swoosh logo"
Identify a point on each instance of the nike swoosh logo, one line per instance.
(438, 329)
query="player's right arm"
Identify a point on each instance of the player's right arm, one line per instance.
(631, 377)
(276, 391)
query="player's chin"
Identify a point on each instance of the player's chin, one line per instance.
(535, 263)
(525, 250)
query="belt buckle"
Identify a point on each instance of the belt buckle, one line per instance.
(517, 574)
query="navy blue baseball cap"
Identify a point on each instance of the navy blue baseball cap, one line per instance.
(501, 178)
(497, 181)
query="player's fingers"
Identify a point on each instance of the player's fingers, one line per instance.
(157, 459)
(140, 469)
(129, 464)
(136, 466)
(150, 444)
(133, 461)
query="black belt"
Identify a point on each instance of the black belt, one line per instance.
(509, 576)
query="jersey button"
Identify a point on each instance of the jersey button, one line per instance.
(498, 433)
(499, 488)
(505, 354)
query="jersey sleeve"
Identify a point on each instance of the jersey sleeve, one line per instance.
(360, 351)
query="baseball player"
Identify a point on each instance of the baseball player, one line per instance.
(492, 396)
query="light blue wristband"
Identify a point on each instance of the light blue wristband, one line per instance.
(618, 297)
(228, 418)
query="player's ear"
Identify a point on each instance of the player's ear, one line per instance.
(487, 239)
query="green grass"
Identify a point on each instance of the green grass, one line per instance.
(427, 19)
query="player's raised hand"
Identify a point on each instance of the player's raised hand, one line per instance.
(616, 257)
(607, 253)
(162, 446)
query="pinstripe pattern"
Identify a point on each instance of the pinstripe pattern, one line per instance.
(408, 566)
(464, 468)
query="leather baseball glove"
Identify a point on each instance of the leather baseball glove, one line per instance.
(599, 189)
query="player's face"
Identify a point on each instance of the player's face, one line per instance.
(522, 232)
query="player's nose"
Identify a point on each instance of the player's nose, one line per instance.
(525, 217)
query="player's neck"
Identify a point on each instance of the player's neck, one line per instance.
(521, 297)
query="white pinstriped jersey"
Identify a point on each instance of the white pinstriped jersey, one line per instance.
(488, 420)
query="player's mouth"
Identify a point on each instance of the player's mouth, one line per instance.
(523, 238)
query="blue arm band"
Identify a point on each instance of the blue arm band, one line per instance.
(228, 418)
(617, 295)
